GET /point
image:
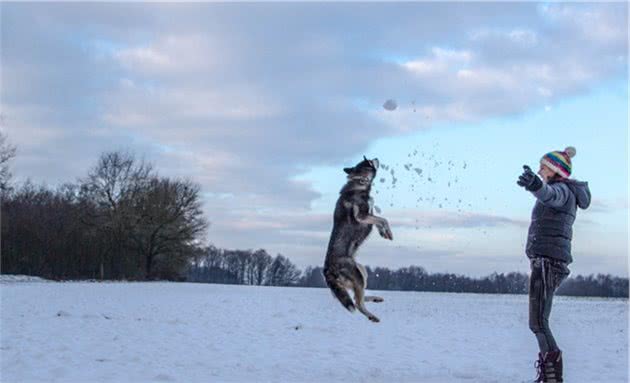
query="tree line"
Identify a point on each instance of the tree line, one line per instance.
(248, 267)
(244, 267)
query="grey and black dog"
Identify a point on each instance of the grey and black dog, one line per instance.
(353, 221)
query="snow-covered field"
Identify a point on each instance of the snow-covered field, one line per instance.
(133, 332)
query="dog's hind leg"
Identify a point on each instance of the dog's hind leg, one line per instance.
(364, 274)
(339, 290)
(359, 299)
(358, 286)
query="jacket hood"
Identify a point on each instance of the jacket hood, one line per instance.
(581, 191)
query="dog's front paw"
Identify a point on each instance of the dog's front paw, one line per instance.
(386, 232)
(374, 319)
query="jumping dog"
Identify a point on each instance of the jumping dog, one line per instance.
(353, 221)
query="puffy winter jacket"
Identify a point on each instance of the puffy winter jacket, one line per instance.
(551, 230)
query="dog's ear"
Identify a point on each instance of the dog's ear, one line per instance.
(348, 170)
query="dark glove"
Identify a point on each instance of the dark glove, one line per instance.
(529, 180)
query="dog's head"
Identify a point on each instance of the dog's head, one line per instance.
(363, 172)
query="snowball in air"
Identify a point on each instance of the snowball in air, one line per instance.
(390, 105)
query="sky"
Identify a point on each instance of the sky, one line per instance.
(264, 104)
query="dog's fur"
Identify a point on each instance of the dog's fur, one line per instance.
(353, 221)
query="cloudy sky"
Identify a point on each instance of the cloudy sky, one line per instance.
(264, 104)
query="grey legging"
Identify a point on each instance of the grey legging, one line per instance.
(546, 276)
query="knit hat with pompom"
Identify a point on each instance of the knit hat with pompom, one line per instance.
(559, 161)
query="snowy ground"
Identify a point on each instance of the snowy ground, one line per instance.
(132, 332)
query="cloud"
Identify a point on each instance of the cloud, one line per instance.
(173, 55)
(600, 25)
(515, 37)
(145, 58)
(446, 219)
(317, 224)
(607, 206)
(135, 107)
(440, 61)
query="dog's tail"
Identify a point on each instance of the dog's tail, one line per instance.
(339, 291)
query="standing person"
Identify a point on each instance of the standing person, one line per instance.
(549, 247)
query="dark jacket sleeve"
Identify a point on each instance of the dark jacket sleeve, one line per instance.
(553, 195)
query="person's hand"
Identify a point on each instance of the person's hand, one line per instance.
(529, 180)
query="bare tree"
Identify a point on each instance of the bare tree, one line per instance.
(7, 152)
(167, 217)
(282, 272)
(261, 262)
(313, 277)
(111, 187)
(214, 257)
(116, 180)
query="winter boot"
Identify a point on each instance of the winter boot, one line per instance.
(540, 377)
(552, 367)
